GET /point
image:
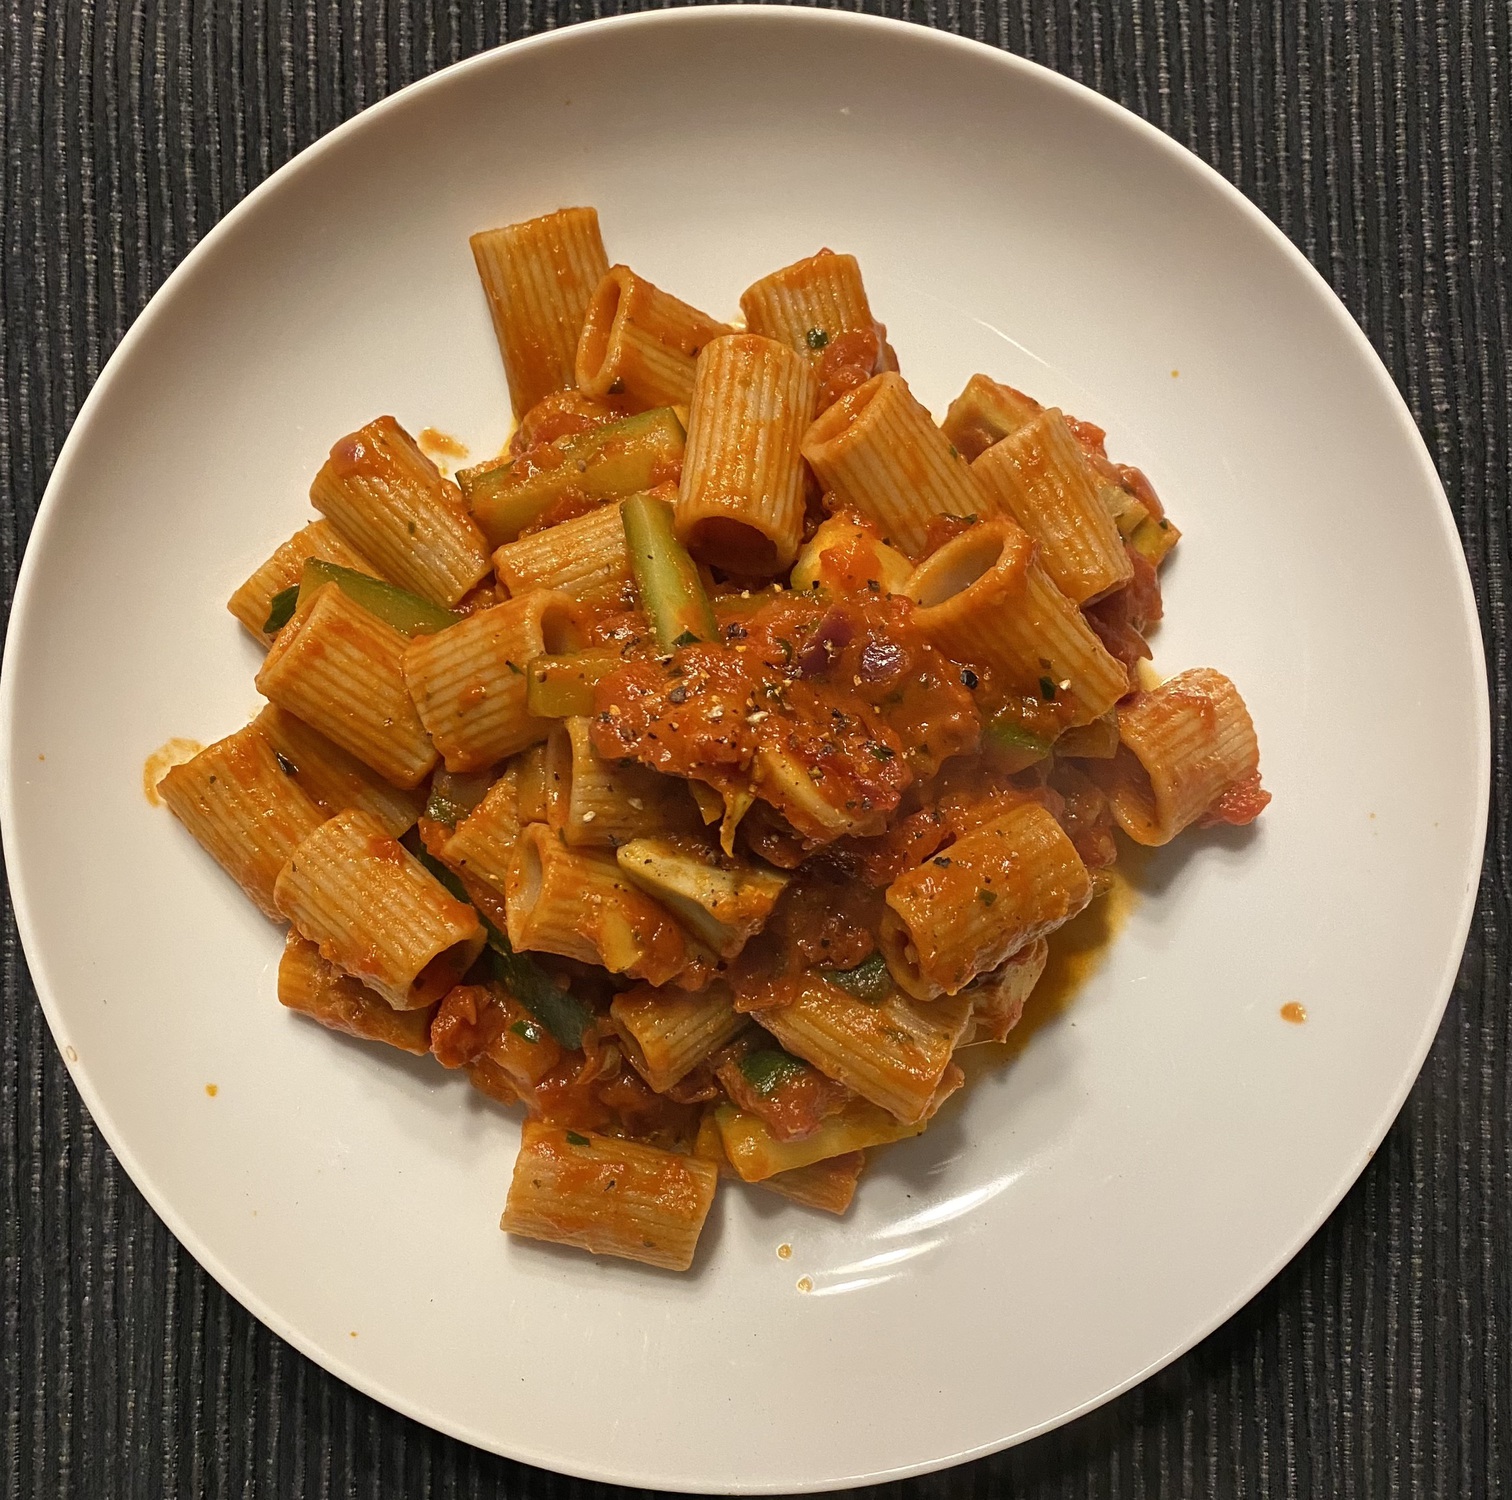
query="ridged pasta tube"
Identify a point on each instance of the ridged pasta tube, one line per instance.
(245, 811)
(252, 601)
(340, 669)
(538, 276)
(741, 498)
(1039, 476)
(576, 903)
(989, 894)
(376, 913)
(640, 341)
(608, 1196)
(468, 682)
(983, 598)
(389, 502)
(315, 988)
(1186, 745)
(878, 451)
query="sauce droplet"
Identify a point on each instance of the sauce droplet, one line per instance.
(212, 1089)
(1294, 1012)
(805, 1284)
(70, 1054)
(162, 761)
(783, 1251)
(440, 444)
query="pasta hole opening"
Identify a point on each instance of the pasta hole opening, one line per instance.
(596, 343)
(902, 960)
(561, 632)
(442, 974)
(735, 546)
(957, 565)
(834, 421)
(525, 887)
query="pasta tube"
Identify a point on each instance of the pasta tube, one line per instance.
(986, 896)
(609, 803)
(667, 1032)
(584, 558)
(468, 683)
(252, 602)
(608, 1196)
(893, 1052)
(878, 451)
(809, 304)
(376, 913)
(829, 1184)
(538, 277)
(389, 501)
(1039, 476)
(577, 904)
(985, 413)
(740, 502)
(247, 813)
(1189, 752)
(640, 341)
(341, 671)
(331, 778)
(483, 843)
(984, 599)
(315, 988)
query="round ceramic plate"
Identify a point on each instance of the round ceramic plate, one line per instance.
(1159, 1148)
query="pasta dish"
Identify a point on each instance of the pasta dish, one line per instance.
(704, 772)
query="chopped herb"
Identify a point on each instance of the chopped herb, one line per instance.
(574, 1139)
(869, 980)
(878, 752)
(411, 525)
(943, 861)
(281, 609)
(526, 1030)
(768, 1069)
(687, 638)
(1164, 524)
(518, 671)
(679, 694)
(816, 339)
(285, 765)
(616, 387)
(1047, 689)
(969, 679)
(986, 897)
(954, 451)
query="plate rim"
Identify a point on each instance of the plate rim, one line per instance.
(697, 16)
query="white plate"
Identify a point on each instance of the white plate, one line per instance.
(1155, 1155)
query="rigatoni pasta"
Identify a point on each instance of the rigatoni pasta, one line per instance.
(878, 451)
(761, 780)
(389, 502)
(252, 603)
(740, 503)
(538, 277)
(640, 341)
(374, 912)
(340, 669)
(244, 809)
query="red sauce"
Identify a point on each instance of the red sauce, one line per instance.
(1294, 1012)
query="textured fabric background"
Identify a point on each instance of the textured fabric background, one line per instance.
(1375, 132)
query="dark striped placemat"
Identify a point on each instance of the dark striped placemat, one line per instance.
(1375, 133)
